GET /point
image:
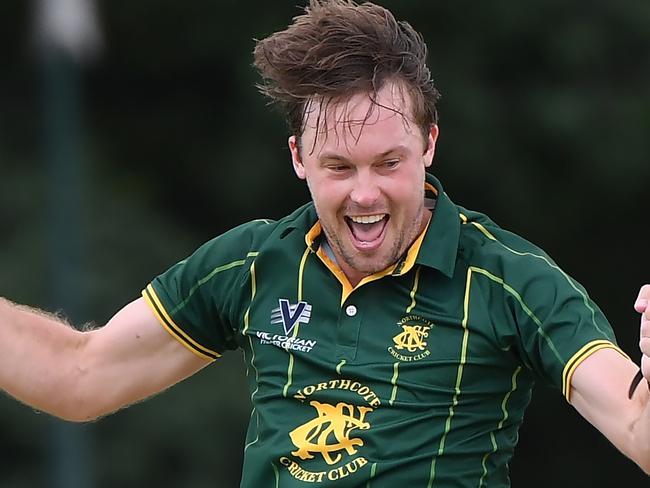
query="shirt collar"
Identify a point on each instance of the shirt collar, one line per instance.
(440, 246)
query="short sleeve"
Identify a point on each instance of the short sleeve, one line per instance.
(197, 300)
(558, 324)
(539, 312)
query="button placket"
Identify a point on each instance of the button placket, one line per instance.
(347, 334)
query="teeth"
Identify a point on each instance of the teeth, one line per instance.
(367, 219)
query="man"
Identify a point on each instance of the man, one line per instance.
(390, 336)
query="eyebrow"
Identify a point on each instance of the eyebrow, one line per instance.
(338, 157)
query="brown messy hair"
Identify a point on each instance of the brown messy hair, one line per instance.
(338, 48)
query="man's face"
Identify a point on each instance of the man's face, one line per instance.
(366, 178)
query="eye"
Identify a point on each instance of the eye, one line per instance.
(391, 163)
(338, 168)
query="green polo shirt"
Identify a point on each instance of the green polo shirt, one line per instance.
(420, 374)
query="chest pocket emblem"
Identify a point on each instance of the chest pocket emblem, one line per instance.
(412, 338)
(411, 344)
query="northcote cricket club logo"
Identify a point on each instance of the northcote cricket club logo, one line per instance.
(330, 431)
(328, 445)
(411, 343)
(412, 339)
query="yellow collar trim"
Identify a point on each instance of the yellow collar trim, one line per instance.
(431, 188)
(403, 266)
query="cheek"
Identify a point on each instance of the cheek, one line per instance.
(406, 193)
(328, 196)
(403, 189)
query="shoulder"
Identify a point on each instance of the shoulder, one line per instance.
(483, 242)
(511, 262)
(230, 255)
(250, 239)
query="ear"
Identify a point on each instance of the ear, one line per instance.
(431, 145)
(296, 160)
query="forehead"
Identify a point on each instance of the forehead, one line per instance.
(379, 119)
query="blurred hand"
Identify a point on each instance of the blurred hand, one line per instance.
(642, 305)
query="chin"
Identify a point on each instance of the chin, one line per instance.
(371, 265)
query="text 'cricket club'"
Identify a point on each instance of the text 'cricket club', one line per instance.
(289, 315)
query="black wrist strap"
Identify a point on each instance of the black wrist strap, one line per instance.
(635, 382)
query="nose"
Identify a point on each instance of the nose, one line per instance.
(365, 192)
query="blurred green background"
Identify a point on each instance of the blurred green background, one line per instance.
(545, 126)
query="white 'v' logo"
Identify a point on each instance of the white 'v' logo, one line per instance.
(290, 314)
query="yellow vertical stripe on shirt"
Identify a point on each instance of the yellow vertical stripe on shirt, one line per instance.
(459, 377)
(250, 341)
(414, 290)
(301, 272)
(253, 290)
(373, 470)
(504, 409)
(339, 366)
(393, 380)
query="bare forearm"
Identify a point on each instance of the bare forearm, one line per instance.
(39, 363)
(641, 430)
(84, 375)
(600, 392)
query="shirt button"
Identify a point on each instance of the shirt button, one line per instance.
(351, 310)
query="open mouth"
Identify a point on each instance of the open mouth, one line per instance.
(368, 230)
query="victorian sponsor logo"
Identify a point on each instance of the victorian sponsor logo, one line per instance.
(328, 446)
(289, 315)
(410, 344)
(285, 342)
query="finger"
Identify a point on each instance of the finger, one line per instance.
(644, 345)
(644, 337)
(641, 303)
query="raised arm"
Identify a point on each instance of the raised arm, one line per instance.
(80, 376)
(600, 388)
